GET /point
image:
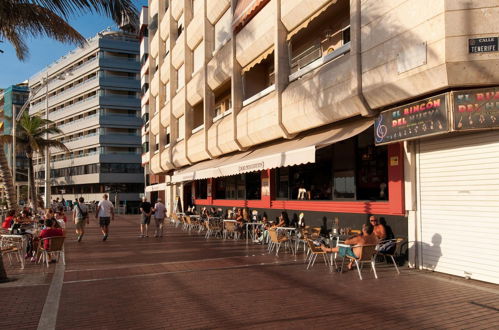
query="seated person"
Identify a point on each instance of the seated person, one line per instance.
(9, 219)
(366, 238)
(49, 231)
(283, 220)
(61, 215)
(379, 229)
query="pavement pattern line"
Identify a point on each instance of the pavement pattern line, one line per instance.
(162, 263)
(48, 318)
(182, 271)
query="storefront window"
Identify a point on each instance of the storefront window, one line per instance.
(201, 189)
(353, 169)
(242, 186)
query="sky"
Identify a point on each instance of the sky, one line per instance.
(43, 51)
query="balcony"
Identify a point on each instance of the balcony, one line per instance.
(196, 26)
(144, 45)
(178, 154)
(75, 108)
(165, 70)
(178, 103)
(115, 62)
(257, 122)
(216, 9)
(122, 120)
(195, 147)
(112, 81)
(257, 36)
(165, 115)
(155, 84)
(320, 97)
(155, 164)
(72, 92)
(166, 162)
(155, 124)
(154, 46)
(120, 139)
(195, 88)
(85, 140)
(293, 13)
(125, 102)
(178, 53)
(219, 67)
(79, 124)
(145, 158)
(176, 7)
(164, 28)
(221, 136)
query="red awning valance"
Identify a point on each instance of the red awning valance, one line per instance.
(245, 11)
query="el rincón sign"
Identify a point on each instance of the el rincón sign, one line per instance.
(422, 118)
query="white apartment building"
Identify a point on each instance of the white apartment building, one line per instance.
(94, 98)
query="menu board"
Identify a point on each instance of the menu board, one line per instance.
(418, 119)
(476, 109)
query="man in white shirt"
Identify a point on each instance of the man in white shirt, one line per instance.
(159, 217)
(105, 213)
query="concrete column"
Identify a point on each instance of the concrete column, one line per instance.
(236, 83)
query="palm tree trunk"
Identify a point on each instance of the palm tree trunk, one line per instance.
(6, 181)
(31, 184)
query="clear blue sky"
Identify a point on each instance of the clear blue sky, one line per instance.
(43, 51)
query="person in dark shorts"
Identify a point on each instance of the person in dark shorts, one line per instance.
(145, 217)
(105, 213)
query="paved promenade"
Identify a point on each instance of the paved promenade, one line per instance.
(183, 281)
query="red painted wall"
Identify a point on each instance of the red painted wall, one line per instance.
(394, 206)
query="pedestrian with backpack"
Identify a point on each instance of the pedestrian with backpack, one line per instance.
(80, 217)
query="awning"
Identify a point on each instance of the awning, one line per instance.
(257, 60)
(306, 22)
(156, 187)
(300, 150)
(245, 11)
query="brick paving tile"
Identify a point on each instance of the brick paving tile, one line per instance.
(184, 281)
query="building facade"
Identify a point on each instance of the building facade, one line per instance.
(94, 98)
(11, 101)
(280, 105)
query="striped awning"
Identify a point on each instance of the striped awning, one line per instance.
(245, 11)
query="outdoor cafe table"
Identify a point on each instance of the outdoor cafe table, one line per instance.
(253, 224)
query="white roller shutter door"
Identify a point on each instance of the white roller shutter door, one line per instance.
(458, 194)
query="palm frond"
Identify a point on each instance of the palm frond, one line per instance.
(19, 20)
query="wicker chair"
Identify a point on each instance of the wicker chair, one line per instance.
(314, 252)
(12, 246)
(276, 241)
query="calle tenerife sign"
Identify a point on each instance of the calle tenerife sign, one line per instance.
(422, 118)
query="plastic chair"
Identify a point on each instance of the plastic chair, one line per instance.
(367, 255)
(55, 246)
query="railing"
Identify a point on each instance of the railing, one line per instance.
(259, 95)
(72, 105)
(78, 120)
(320, 61)
(80, 137)
(73, 87)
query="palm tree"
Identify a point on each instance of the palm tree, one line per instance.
(31, 139)
(22, 18)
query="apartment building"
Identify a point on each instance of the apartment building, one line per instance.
(12, 99)
(94, 98)
(338, 109)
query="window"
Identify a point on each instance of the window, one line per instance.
(222, 30)
(353, 169)
(242, 186)
(145, 147)
(181, 128)
(326, 33)
(180, 25)
(167, 136)
(180, 77)
(197, 115)
(222, 100)
(167, 47)
(198, 54)
(156, 143)
(259, 77)
(201, 189)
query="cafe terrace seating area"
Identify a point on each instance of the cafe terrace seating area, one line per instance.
(299, 241)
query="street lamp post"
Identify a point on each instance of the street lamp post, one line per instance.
(47, 150)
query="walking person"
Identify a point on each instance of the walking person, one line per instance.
(80, 217)
(105, 213)
(145, 217)
(159, 217)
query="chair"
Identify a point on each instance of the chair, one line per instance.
(314, 252)
(367, 255)
(12, 246)
(230, 228)
(303, 236)
(275, 241)
(398, 242)
(55, 246)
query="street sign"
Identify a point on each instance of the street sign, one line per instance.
(483, 45)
